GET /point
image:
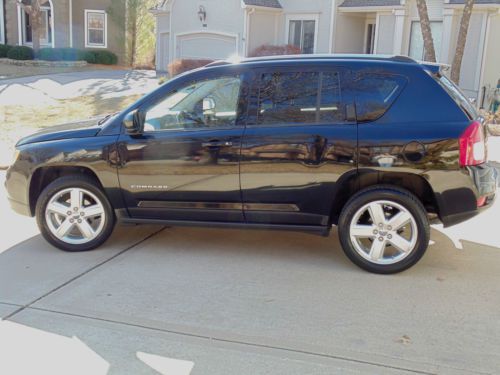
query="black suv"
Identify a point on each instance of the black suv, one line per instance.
(378, 146)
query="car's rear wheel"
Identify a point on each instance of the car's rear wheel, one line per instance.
(384, 229)
(74, 214)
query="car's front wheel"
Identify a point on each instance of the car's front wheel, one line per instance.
(74, 214)
(384, 229)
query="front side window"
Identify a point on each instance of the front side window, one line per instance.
(95, 28)
(301, 33)
(300, 98)
(375, 93)
(210, 103)
(417, 50)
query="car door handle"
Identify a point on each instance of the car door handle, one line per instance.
(214, 144)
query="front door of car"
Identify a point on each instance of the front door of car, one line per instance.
(185, 164)
(300, 139)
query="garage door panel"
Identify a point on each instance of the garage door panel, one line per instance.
(203, 46)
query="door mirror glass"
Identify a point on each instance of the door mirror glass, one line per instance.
(133, 123)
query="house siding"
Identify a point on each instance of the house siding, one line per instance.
(61, 14)
(116, 36)
(11, 34)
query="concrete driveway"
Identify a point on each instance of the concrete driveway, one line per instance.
(182, 301)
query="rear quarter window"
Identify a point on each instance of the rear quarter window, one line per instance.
(375, 93)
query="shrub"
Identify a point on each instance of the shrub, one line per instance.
(4, 48)
(180, 66)
(20, 53)
(270, 50)
(71, 54)
(50, 54)
(105, 57)
(88, 56)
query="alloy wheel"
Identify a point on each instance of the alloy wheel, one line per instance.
(75, 216)
(383, 232)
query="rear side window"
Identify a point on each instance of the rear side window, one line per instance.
(458, 96)
(375, 93)
(300, 98)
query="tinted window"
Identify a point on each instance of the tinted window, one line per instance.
(375, 93)
(300, 98)
(458, 96)
(203, 104)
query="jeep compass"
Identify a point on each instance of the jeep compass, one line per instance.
(377, 145)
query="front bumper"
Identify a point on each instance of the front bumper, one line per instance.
(17, 185)
(20, 208)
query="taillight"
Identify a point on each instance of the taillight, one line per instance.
(472, 145)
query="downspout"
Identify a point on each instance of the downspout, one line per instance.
(332, 26)
(71, 23)
(485, 49)
(246, 28)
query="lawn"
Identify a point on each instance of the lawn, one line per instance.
(17, 121)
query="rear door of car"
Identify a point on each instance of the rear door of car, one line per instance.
(300, 139)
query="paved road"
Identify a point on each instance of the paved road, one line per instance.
(47, 89)
(211, 301)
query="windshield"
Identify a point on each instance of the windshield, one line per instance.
(458, 96)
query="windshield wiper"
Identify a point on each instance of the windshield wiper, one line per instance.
(106, 118)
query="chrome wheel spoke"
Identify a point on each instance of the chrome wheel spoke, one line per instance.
(400, 243)
(64, 228)
(85, 229)
(58, 208)
(92, 211)
(376, 213)
(377, 249)
(366, 231)
(76, 198)
(399, 220)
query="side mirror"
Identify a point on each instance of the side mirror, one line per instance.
(133, 123)
(208, 104)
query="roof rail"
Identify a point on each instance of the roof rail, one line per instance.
(218, 63)
(396, 58)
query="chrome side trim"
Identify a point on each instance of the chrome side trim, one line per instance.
(282, 207)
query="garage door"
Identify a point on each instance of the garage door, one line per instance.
(205, 46)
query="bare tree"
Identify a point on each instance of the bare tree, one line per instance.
(33, 9)
(425, 25)
(456, 65)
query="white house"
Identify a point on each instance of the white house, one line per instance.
(218, 29)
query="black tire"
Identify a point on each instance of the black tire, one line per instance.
(386, 193)
(67, 182)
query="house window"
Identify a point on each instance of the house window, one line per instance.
(45, 27)
(302, 34)
(96, 24)
(370, 38)
(416, 50)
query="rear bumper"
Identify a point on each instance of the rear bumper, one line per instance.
(460, 205)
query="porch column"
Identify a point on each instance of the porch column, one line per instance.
(446, 39)
(399, 24)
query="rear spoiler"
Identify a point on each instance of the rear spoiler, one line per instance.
(434, 67)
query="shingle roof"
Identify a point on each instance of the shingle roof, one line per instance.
(476, 2)
(370, 3)
(264, 3)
